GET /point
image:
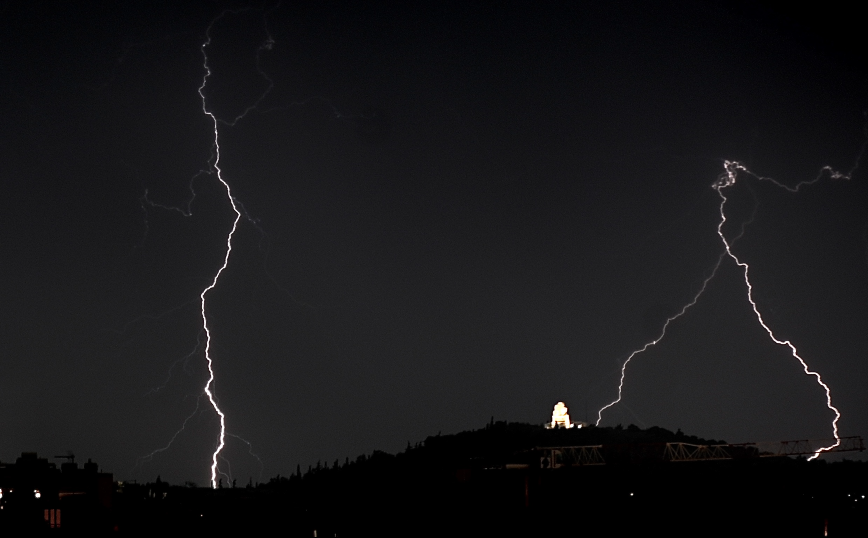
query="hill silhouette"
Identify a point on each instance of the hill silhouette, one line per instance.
(492, 482)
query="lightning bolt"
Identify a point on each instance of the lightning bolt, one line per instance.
(654, 342)
(725, 180)
(670, 319)
(251, 452)
(185, 359)
(237, 208)
(215, 165)
(728, 179)
(150, 456)
(214, 170)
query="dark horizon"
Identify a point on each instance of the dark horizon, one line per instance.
(510, 446)
(506, 479)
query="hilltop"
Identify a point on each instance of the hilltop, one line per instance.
(492, 481)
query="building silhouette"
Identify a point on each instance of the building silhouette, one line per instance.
(36, 495)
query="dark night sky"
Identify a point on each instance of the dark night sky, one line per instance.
(456, 211)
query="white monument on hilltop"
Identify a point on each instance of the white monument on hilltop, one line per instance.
(560, 417)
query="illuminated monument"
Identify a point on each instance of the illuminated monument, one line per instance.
(560, 417)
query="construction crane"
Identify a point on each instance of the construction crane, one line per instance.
(554, 457)
(69, 456)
